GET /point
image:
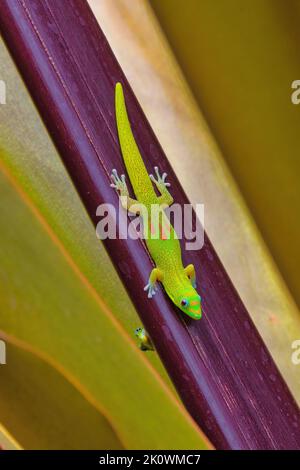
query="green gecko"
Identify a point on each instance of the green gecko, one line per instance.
(160, 236)
(145, 343)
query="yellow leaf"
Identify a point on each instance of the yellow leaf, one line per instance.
(44, 411)
(7, 442)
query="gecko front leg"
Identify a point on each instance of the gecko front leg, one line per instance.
(191, 274)
(162, 185)
(151, 287)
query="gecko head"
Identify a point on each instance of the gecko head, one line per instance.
(190, 303)
(139, 333)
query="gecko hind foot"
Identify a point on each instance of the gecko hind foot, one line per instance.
(160, 180)
(118, 182)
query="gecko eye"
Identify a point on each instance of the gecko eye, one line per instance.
(184, 302)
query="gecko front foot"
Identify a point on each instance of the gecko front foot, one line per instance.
(160, 180)
(152, 287)
(191, 274)
(119, 183)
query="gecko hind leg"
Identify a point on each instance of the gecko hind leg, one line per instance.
(151, 287)
(162, 185)
(119, 184)
(191, 274)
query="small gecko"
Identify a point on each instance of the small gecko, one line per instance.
(145, 343)
(161, 239)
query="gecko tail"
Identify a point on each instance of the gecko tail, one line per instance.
(134, 164)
